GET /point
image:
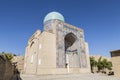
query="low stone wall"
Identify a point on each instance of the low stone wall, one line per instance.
(19, 60)
(6, 68)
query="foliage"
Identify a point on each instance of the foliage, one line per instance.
(101, 64)
(8, 55)
(104, 64)
(109, 65)
(93, 63)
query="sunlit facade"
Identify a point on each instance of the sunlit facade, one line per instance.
(59, 49)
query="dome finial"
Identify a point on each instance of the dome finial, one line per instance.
(53, 15)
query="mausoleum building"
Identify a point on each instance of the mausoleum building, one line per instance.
(59, 49)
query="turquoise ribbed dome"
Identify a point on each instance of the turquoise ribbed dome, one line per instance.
(53, 15)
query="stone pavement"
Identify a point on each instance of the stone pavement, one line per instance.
(69, 77)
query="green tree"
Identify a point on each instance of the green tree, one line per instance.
(9, 56)
(100, 65)
(104, 61)
(93, 63)
(104, 64)
(109, 65)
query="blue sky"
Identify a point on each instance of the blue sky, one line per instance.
(100, 19)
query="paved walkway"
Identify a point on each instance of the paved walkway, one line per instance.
(69, 77)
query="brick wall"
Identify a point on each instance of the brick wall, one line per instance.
(115, 57)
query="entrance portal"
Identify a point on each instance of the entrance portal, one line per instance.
(71, 51)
